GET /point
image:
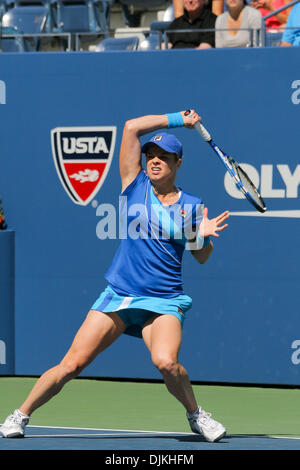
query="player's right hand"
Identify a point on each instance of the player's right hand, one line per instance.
(190, 117)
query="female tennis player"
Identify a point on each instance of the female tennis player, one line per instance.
(144, 296)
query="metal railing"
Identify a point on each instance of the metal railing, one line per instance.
(66, 42)
(161, 37)
(66, 36)
(253, 34)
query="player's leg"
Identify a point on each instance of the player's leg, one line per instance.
(162, 336)
(97, 332)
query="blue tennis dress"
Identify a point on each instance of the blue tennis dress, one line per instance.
(145, 277)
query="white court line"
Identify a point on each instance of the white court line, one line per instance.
(263, 435)
(286, 213)
(133, 434)
(146, 434)
(139, 431)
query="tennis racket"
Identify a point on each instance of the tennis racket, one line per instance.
(241, 179)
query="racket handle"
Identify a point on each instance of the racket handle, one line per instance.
(202, 131)
(200, 128)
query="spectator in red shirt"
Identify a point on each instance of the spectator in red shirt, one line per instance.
(267, 6)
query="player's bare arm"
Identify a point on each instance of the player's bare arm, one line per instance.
(203, 255)
(130, 153)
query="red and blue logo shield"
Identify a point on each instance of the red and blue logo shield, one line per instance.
(82, 157)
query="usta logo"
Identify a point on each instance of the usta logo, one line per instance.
(91, 145)
(82, 157)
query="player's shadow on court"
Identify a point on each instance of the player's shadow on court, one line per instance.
(171, 437)
(183, 439)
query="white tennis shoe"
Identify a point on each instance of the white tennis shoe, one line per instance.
(14, 425)
(202, 423)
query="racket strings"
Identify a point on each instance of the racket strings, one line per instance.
(250, 188)
(240, 177)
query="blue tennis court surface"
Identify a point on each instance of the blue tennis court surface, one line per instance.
(58, 438)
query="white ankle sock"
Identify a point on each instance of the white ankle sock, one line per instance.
(22, 414)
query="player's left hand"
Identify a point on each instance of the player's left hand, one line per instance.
(210, 227)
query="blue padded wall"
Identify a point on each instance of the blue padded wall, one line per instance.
(244, 323)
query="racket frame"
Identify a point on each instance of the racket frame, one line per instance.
(226, 160)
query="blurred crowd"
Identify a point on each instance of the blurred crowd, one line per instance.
(237, 23)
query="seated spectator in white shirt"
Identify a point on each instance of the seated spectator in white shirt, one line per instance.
(233, 26)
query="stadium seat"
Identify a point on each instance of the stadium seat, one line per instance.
(133, 9)
(3, 8)
(33, 3)
(16, 43)
(273, 39)
(100, 11)
(146, 4)
(75, 16)
(160, 26)
(107, 10)
(156, 36)
(46, 4)
(27, 20)
(151, 43)
(129, 32)
(118, 44)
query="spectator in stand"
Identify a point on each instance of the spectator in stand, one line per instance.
(267, 6)
(291, 37)
(217, 7)
(197, 15)
(232, 25)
